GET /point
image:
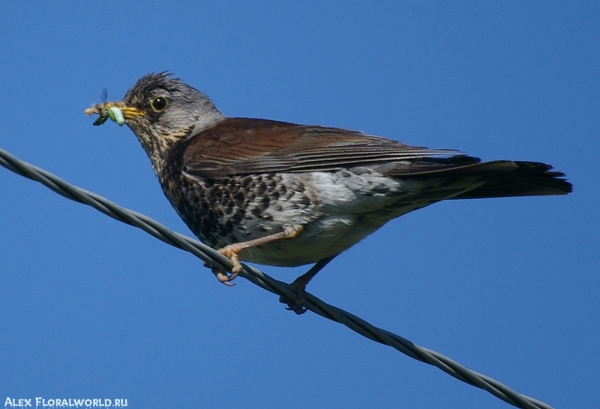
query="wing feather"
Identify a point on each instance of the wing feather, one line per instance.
(238, 146)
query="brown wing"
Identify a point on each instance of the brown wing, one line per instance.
(240, 146)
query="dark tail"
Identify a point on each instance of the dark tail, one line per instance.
(507, 178)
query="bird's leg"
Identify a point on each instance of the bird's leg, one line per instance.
(301, 282)
(232, 251)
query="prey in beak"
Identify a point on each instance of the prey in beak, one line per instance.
(116, 111)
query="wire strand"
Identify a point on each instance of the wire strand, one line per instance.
(312, 303)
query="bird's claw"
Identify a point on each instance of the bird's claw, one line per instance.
(223, 276)
(296, 304)
(232, 253)
(226, 278)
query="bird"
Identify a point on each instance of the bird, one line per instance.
(283, 194)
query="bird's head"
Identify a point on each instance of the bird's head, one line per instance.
(161, 111)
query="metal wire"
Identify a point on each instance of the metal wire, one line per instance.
(257, 277)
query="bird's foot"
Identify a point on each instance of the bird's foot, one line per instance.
(296, 304)
(232, 252)
(224, 276)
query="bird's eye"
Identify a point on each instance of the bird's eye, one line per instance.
(159, 104)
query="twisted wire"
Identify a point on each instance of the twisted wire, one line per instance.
(312, 303)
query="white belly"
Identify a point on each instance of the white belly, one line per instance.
(351, 206)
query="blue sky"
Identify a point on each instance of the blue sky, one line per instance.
(510, 288)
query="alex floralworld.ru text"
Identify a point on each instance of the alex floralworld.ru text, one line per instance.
(65, 403)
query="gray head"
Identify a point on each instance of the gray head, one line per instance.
(162, 111)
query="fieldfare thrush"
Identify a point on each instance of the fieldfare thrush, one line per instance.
(283, 194)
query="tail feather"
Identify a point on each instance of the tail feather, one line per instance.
(511, 178)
